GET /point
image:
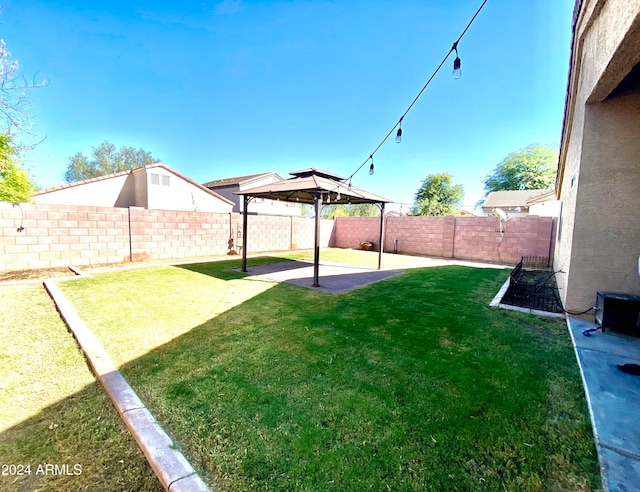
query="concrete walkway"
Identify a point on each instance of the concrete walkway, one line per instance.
(614, 401)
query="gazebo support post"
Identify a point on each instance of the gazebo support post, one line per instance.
(244, 232)
(381, 235)
(316, 249)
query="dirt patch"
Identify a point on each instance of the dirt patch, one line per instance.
(35, 274)
(535, 290)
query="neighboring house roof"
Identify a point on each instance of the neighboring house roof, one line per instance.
(157, 165)
(241, 181)
(542, 197)
(78, 183)
(514, 198)
(232, 181)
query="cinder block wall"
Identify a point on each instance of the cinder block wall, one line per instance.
(467, 238)
(351, 231)
(170, 234)
(63, 235)
(303, 233)
(429, 236)
(479, 238)
(268, 233)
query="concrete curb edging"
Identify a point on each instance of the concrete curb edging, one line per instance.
(170, 466)
(77, 271)
(497, 299)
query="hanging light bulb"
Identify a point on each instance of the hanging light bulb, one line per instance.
(399, 134)
(457, 70)
(371, 166)
(338, 196)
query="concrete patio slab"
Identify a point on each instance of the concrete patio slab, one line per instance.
(614, 401)
(334, 277)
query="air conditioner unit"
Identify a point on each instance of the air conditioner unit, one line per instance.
(618, 311)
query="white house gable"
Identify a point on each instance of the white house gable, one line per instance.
(170, 191)
(154, 186)
(104, 192)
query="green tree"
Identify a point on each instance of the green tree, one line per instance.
(438, 196)
(359, 210)
(106, 159)
(15, 183)
(532, 168)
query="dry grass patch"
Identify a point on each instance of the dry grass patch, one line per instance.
(53, 411)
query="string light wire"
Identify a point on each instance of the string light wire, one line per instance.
(399, 122)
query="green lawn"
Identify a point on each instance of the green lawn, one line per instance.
(53, 411)
(412, 383)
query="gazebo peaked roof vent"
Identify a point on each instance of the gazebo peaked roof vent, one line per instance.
(312, 171)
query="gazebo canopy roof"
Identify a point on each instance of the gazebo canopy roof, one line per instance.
(313, 186)
(307, 183)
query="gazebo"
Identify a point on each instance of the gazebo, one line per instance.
(315, 187)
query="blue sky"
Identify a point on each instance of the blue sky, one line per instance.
(220, 89)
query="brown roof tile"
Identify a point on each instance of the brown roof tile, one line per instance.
(231, 181)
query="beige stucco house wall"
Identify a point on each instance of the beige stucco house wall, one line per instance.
(155, 186)
(598, 183)
(228, 186)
